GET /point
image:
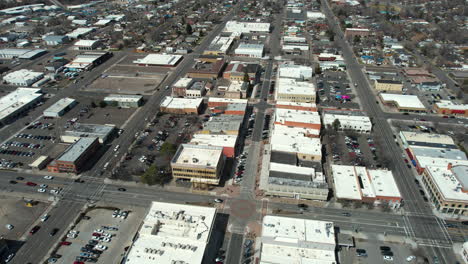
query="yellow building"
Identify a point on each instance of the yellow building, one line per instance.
(201, 165)
(388, 85)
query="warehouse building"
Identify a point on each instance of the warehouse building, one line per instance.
(404, 103)
(23, 77)
(53, 40)
(60, 107)
(296, 240)
(74, 158)
(87, 61)
(17, 103)
(292, 90)
(124, 100)
(221, 45)
(80, 32)
(164, 60)
(174, 233)
(348, 120)
(80, 130)
(388, 85)
(250, 50)
(200, 165)
(247, 27)
(446, 107)
(86, 44)
(176, 105)
(360, 184)
(27, 54)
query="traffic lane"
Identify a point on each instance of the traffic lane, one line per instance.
(38, 244)
(233, 255)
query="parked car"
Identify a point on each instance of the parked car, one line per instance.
(34, 230)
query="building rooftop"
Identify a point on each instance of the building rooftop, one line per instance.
(75, 150)
(207, 67)
(85, 42)
(453, 183)
(181, 103)
(356, 183)
(453, 154)
(294, 71)
(89, 130)
(446, 104)
(294, 87)
(123, 97)
(60, 105)
(222, 123)
(221, 44)
(22, 74)
(286, 174)
(17, 99)
(404, 101)
(173, 233)
(388, 81)
(283, 141)
(294, 240)
(416, 138)
(80, 31)
(226, 100)
(183, 82)
(197, 155)
(246, 27)
(214, 140)
(159, 59)
(299, 116)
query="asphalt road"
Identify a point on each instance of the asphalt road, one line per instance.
(429, 228)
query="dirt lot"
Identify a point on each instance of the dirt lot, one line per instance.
(121, 238)
(126, 84)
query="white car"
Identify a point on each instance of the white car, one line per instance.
(53, 191)
(9, 258)
(9, 227)
(44, 217)
(107, 235)
(100, 231)
(73, 232)
(100, 247)
(48, 177)
(72, 235)
(44, 186)
(389, 258)
(410, 258)
(42, 190)
(95, 238)
(105, 239)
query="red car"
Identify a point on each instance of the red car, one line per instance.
(31, 183)
(445, 116)
(34, 230)
(406, 160)
(78, 262)
(96, 234)
(65, 243)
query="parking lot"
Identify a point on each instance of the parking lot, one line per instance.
(334, 90)
(354, 149)
(373, 251)
(100, 237)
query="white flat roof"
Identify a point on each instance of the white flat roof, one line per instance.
(292, 86)
(296, 104)
(123, 98)
(294, 240)
(159, 59)
(60, 105)
(226, 100)
(22, 74)
(198, 155)
(80, 31)
(439, 162)
(85, 42)
(402, 100)
(214, 140)
(182, 82)
(448, 183)
(173, 233)
(427, 137)
(294, 71)
(289, 115)
(17, 99)
(348, 121)
(297, 131)
(451, 105)
(287, 168)
(285, 141)
(181, 103)
(356, 182)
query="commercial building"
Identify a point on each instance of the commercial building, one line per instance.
(235, 71)
(295, 240)
(173, 233)
(86, 44)
(219, 101)
(164, 60)
(285, 180)
(181, 105)
(292, 90)
(40, 163)
(296, 106)
(388, 85)
(250, 50)
(227, 142)
(206, 69)
(235, 89)
(360, 184)
(27, 54)
(348, 120)
(180, 87)
(23, 77)
(221, 45)
(353, 32)
(18, 102)
(291, 140)
(74, 158)
(201, 165)
(294, 44)
(87, 61)
(52, 40)
(293, 71)
(419, 139)
(124, 100)
(80, 130)
(80, 32)
(297, 118)
(447, 188)
(404, 103)
(446, 107)
(247, 27)
(60, 107)
(223, 124)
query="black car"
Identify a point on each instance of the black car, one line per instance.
(387, 253)
(302, 205)
(346, 214)
(385, 248)
(53, 232)
(19, 178)
(122, 189)
(13, 182)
